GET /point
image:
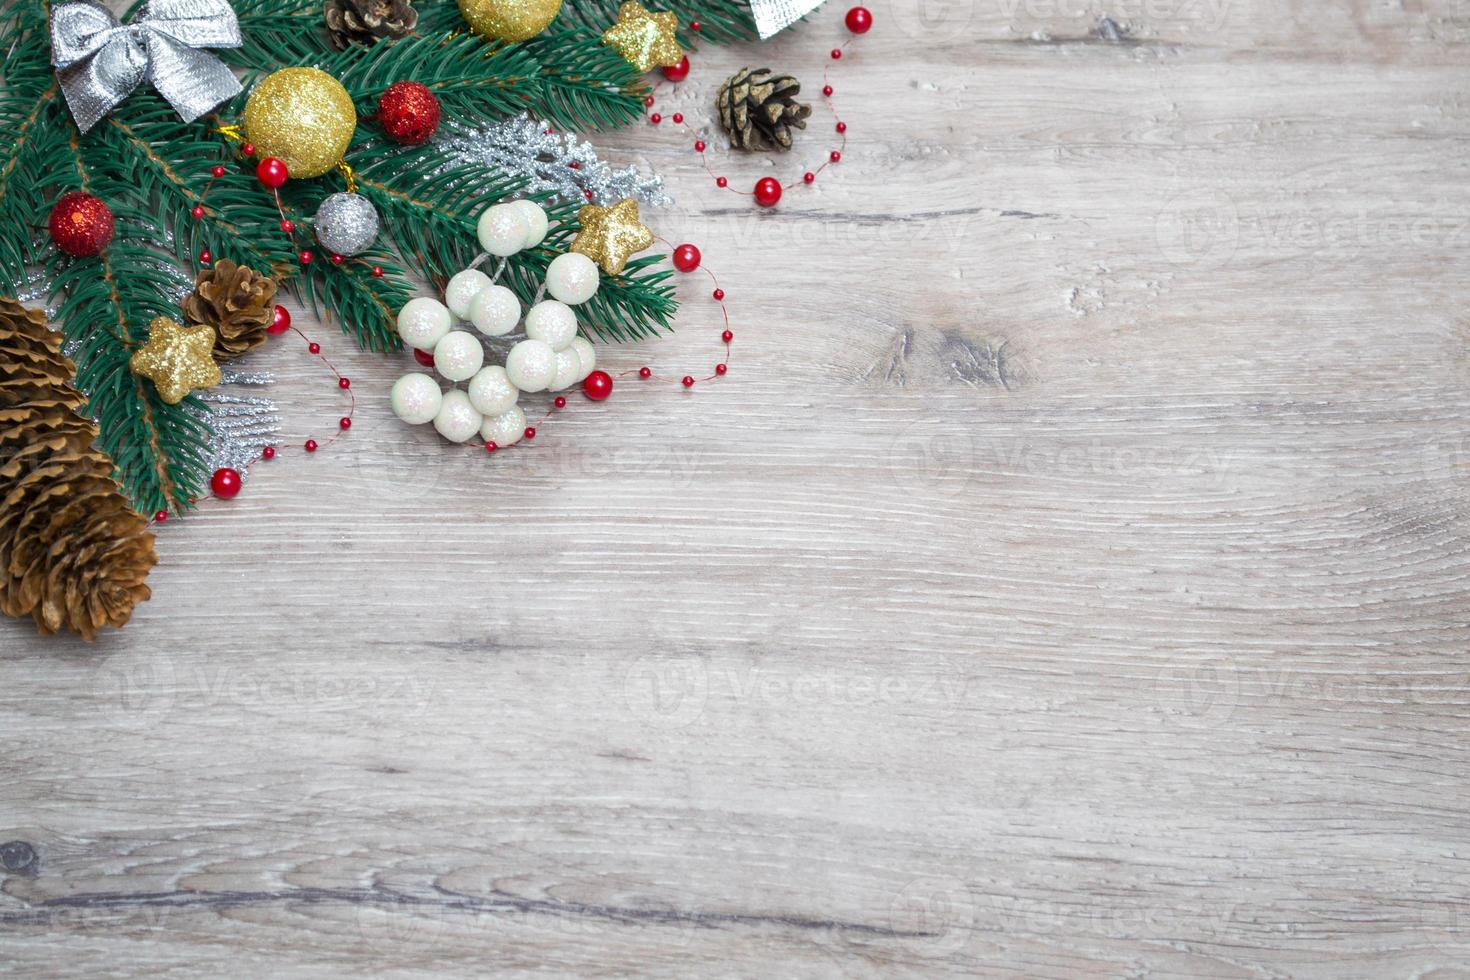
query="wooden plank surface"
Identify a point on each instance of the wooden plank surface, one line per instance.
(1070, 578)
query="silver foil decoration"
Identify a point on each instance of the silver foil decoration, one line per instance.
(243, 424)
(524, 146)
(774, 16)
(99, 60)
(346, 223)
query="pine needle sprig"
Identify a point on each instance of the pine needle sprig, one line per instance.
(584, 83)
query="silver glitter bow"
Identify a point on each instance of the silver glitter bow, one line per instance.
(774, 16)
(100, 61)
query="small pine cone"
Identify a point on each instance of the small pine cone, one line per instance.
(237, 301)
(759, 109)
(73, 553)
(366, 22)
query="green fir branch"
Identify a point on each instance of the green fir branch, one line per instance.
(584, 83)
(720, 21)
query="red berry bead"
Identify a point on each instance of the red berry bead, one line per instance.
(426, 358)
(727, 336)
(269, 452)
(688, 381)
(678, 117)
(767, 192)
(679, 72)
(344, 423)
(575, 165)
(686, 258)
(206, 256)
(645, 373)
(718, 294)
(377, 272)
(842, 127)
(721, 182)
(271, 172)
(81, 224)
(655, 119)
(836, 53)
(197, 210)
(344, 383)
(305, 256)
(314, 347)
(225, 483)
(490, 447)
(699, 146)
(337, 259)
(218, 171)
(648, 100)
(408, 112)
(587, 193)
(836, 156)
(248, 149)
(597, 385)
(280, 321)
(311, 445)
(287, 225)
(827, 91)
(530, 432)
(160, 517)
(859, 20)
(808, 177)
(695, 25)
(559, 402)
(721, 368)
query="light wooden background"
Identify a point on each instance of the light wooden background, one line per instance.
(1070, 578)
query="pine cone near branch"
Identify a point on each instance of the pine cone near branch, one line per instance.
(366, 22)
(758, 109)
(237, 301)
(73, 553)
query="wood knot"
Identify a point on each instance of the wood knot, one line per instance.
(18, 857)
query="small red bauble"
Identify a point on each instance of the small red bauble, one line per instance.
(530, 432)
(645, 373)
(597, 385)
(344, 423)
(160, 517)
(827, 91)
(678, 117)
(80, 224)
(721, 182)
(280, 321)
(688, 381)
(859, 20)
(655, 119)
(218, 171)
(647, 101)
(408, 113)
(695, 25)
(426, 358)
(344, 383)
(767, 192)
(225, 483)
(560, 402)
(314, 347)
(727, 336)
(842, 127)
(679, 72)
(699, 146)
(686, 258)
(337, 259)
(287, 225)
(248, 149)
(490, 447)
(808, 177)
(197, 210)
(271, 172)
(305, 256)
(269, 452)
(836, 53)
(721, 368)
(836, 156)
(718, 294)
(377, 272)
(205, 256)
(311, 445)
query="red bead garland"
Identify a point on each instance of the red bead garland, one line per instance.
(409, 113)
(271, 172)
(859, 20)
(80, 224)
(679, 72)
(767, 192)
(686, 258)
(280, 321)
(225, 483)
(597, 385)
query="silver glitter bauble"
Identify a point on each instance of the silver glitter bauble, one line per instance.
(346, 223)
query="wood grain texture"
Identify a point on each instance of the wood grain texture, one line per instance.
(1069, 579)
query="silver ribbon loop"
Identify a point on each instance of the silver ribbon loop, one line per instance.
(100, 61)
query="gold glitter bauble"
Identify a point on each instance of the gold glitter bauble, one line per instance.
(303, 117)
(646, 39)
(509, 20)
(610, 235)
(177, 359)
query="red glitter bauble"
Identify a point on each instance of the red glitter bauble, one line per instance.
(280, 321)
(686, 258)
(408, 113)
(81, 224)
(859, 20)
(271, 172)
(767, 192)
(679, 72)
(225, 483)
(597, 386)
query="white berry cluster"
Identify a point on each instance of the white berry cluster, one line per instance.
(551, 358)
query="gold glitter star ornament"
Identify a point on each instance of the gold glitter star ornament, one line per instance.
(509, 20)
(610, 235)
(177, 359)
(646, 39)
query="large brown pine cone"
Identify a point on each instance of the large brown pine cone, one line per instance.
(366, 22)
(759, 109)
(73, 554)
(237, 301)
